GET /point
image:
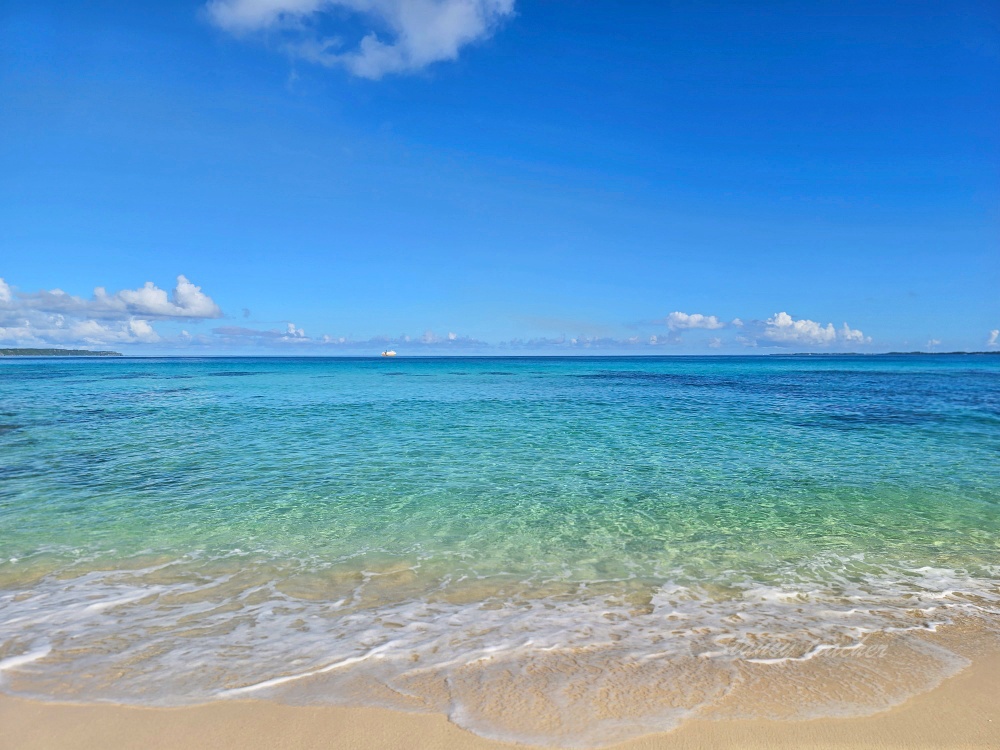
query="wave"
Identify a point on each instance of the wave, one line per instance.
(570, 663)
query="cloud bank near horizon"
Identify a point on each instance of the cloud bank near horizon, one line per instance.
(400, 36)
(130, 317)
(55, 317)
(780, 330)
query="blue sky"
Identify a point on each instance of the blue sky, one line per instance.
(500, 176)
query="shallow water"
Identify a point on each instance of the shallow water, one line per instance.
(562, 551)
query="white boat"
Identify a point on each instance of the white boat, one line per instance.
(389, 353)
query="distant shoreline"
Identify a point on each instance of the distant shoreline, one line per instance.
(877, 354)
(56, 353)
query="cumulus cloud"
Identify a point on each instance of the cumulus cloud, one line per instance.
(849, 335)
(142, 331)
(55, 317)
(149, 301)
(399, 36)
(991, 341)
(784, 330)
(679, 321)
(187, 301)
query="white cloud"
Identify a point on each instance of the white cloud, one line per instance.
(994, 335)
(400, 36)
(714, 343)
(193, 302)
(55, 317)
(678, 321)
(240, 16)
(783, 329)
(848, 334)
(148, 301)
(142, 331)
(188, 301)
(59, 330)
(931, 343)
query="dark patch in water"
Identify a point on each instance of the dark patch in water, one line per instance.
(130, 376)
(28, 373)
(232, 374)
(876, 418)
(667, 378)
(5, 428)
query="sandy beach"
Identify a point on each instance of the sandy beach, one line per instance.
(963, 712)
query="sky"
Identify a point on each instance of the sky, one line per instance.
(500, 176)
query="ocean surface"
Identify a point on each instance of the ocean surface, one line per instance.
(563, 551)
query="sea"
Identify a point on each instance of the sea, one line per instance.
(565, 552)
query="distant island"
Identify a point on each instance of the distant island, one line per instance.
(877, 354)
(55, 353)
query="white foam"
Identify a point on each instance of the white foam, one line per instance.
(274, 682)
(13, 662)
(109, 603)
(167, 635)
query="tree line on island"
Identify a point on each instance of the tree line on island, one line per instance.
(55, 353)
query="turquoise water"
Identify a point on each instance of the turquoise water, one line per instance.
(435, 534)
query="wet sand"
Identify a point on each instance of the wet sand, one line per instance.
(962, 712)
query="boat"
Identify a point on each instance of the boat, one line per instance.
(389, 353)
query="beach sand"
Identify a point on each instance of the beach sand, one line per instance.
(962, 712)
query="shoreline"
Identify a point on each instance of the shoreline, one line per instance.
(962, 712)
